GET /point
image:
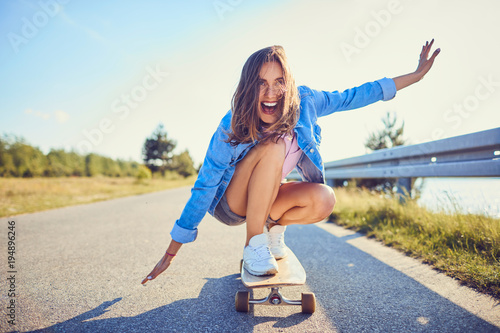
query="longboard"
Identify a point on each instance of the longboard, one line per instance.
(290, 273)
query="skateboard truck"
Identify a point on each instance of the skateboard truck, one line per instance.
(275, 298)
(243, 300)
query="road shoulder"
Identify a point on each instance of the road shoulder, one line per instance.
(482, 306)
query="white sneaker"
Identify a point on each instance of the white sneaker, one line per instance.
(276, 240)
(257, 259)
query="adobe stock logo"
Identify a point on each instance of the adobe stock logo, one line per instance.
(223, 6)
(31, 27)
(364, 36)
(460, 111)
(121, 108)
(466, 107)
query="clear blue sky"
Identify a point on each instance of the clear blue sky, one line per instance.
(100, 75)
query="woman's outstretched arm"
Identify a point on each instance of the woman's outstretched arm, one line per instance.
(164, 262)
(424, 65)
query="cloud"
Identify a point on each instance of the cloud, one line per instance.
(58, 115)
(61, 116)
(38, 114)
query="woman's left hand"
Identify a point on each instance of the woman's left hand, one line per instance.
(425, 64)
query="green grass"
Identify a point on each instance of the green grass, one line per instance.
(28, 195)
(464, 246)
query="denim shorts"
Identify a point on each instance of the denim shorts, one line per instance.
(224, 214)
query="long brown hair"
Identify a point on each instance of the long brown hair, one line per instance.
(246, 125)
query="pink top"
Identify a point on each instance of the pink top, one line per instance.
(293, 153)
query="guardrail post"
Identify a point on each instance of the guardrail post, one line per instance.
(404, 188)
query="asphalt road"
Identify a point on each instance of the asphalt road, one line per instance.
(78, 269)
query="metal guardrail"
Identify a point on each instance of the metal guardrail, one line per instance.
(470, 155)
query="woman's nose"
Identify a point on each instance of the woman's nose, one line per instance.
(271, 91)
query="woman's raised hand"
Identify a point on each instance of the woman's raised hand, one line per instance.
(424, 64)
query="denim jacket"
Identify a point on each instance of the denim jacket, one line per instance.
(221, 158)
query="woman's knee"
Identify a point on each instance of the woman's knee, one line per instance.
(271, 149)
(324, 201)
(270, 153)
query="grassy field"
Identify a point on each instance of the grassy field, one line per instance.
(464, 246)
(27, 195)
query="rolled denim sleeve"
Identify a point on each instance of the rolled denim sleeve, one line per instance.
(183, 235)
(388, 88)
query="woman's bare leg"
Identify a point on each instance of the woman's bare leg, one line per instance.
(302, 203)
(255, 192)
(297, 203)
(255, 185)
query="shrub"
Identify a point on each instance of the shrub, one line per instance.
(143, 173)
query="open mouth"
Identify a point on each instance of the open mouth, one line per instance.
(269, 108)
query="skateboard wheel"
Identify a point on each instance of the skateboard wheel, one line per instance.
(241, 301)
(308, 303)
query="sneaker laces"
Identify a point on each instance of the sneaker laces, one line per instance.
(276, 239)
(262, 252)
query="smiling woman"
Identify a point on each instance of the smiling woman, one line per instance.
(271, 129)
(265, 79)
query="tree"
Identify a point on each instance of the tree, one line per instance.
(58, 164)
(7, 167)
(76, 163)
(159, 157)
(129, 168)
(93, 165)
(157, 150)
(29, 161)
(183, 164)
(388, 137)
(111, 167)
(19, 159)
